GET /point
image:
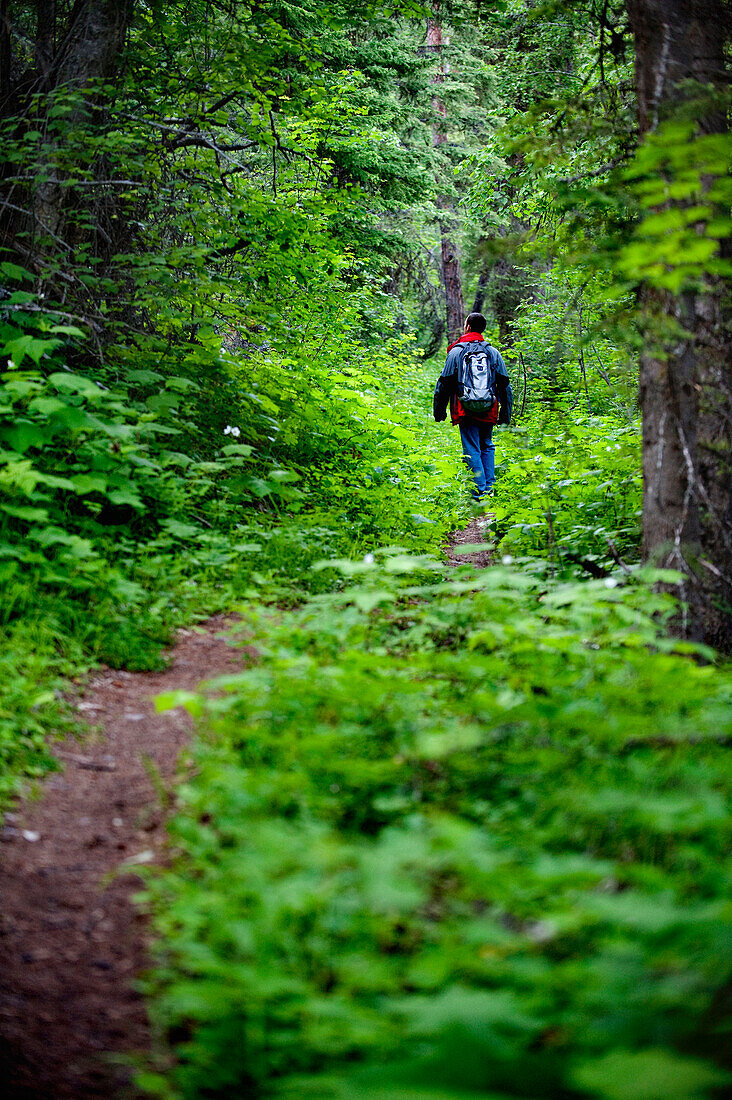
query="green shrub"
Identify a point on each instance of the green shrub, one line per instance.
(450, 840)
(125, 505)
(569, 489)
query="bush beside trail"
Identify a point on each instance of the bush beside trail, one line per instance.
(451, 839)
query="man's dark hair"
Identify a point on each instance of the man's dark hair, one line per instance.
(476, 322)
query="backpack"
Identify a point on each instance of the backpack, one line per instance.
(476, 389)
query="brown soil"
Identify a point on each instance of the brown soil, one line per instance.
(477, 532)
(71, 940)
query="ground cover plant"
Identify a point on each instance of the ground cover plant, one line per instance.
(452, 838)
(570, 489)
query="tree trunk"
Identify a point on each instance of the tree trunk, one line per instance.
(68, 56)
(5, 54)
(686, 394)
(45, 41)
(480, 290)
(88, 52)
(452, 279)
(450, 255)
(502, 284)
(92, 42)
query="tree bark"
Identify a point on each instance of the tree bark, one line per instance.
(480, 290)
(502, 285)
(450, 256)
(452, 280)
(88, 52)
(92, 42)
(45, 40)
(71, 54)
(686, 394)
(5, 54)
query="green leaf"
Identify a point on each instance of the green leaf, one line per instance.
(648, 1075)
(22, 435)
(144, 377)
(169, 700)
(47, 405)
(72, 418)
(74, 383)
(89, 483)
(242, 450)
(14, 271)
(126, 496)
(181, 530)
(28, 513)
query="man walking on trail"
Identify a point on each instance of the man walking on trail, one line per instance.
(475, 382)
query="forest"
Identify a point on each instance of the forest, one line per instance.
(456, 824)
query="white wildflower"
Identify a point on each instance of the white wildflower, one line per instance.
(507, 559)
(229, 430)
(11, 364)
(369, 559)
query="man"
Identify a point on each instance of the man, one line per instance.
(476, 428)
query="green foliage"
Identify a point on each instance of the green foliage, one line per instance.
(570, 489)
(86, 465)
(450, 839)
(679, 178)
(35, 665)
(126, 507)
(348, 422)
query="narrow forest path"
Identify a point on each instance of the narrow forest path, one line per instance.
(475, 533)
(71, 939)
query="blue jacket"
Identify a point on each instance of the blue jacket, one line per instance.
(446, 388)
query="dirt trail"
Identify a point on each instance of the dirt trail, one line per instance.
(71, 942)
(476, 532)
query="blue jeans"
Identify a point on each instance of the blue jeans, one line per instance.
(479, 454)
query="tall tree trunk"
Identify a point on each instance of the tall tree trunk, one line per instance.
(450, 255)
(88, 51)
(5, 55)
(480, 290)
(505, 286)
(45, 41)
(501, 281)
(686, 395)
(92, 42)
(71, 53)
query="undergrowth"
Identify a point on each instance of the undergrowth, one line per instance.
(449, 839)
(127, 508)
